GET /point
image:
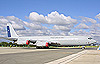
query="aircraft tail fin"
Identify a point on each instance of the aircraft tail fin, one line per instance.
(11, 32)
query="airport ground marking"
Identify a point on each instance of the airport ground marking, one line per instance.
(67, 59)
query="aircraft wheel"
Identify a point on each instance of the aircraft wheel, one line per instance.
(47, 47)
(83, 47)
(38, 47)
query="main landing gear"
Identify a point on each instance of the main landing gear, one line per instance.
(41, 47)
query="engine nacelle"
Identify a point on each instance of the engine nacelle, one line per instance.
(42, 43)
(27, 42)
(47, 44)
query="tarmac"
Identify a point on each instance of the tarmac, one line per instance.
(89, 57)
(22, 55)
(49, 56)
(83, 57)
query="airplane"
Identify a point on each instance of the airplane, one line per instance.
(46, 41)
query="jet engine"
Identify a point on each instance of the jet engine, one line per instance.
(42, 44)
(47, 44)
(27, 42)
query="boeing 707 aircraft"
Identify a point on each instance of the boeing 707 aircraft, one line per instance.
(46, 41)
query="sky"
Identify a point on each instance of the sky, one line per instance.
(22, 8)
(51, 17)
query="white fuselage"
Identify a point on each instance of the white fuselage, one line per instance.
(63, 40)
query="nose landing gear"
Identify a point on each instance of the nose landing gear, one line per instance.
(83, 47)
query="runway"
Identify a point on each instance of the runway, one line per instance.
(34, 56)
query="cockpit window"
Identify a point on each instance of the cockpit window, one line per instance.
(90, 38)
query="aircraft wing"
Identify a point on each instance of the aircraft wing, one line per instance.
(43, 42)
(54, 43)
(7, 38)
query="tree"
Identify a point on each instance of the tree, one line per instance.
(4, 43)
(15, 44)
(10, 43)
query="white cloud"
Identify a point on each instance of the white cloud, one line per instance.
(98, 16)
(94, 26)
(70, 34)
(13, 18)
(81, 33)
(59, 19)
(57, 27)
(98, 25)
(59, 22)
(34, 26)
(86, 19)
(62, 34)
(18, 27)
(16, 22)
(3, 21)
(35, 17)
(82, 26)
(96, 35)
(39, 31)
(52, 18)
